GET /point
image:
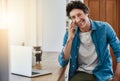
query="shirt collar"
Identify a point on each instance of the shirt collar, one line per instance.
(92, 25)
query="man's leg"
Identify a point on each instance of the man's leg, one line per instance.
(82, 76)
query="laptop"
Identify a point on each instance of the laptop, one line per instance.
(21, 62)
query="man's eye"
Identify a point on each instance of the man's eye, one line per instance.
(73, 18)
(79, 15)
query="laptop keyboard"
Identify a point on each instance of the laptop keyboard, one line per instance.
(33, 73)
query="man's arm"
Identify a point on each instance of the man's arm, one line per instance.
(65, 54)
(71, 34)
(115, 44)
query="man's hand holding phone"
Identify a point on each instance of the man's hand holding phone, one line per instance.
(71, 34)
(71, 30)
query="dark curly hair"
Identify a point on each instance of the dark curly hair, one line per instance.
(76, 5)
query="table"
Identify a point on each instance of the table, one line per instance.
(49, 62)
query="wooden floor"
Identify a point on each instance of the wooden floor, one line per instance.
(49, 62)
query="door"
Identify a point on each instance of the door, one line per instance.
(106, 10)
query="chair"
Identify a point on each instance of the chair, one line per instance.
(62, 74)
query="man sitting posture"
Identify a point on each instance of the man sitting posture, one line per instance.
(85, 45)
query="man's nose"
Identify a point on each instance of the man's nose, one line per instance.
(77, 19)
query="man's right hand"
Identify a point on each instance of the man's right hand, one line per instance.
(71, 30)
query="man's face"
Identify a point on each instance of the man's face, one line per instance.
(79, 17)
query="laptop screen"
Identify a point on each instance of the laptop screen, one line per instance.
(21, 60)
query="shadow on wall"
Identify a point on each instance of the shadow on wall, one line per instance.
(4, 66)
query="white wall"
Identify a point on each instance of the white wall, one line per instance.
(30, 22)
(53, 24)
(16, 21)
(37, 22)
(22, 21)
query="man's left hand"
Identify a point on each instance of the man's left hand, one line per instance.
(117, 73)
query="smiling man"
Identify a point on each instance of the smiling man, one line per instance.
(85, 45)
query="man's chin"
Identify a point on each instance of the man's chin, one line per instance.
(82, 26)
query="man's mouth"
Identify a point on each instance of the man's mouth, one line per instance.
(81, 23)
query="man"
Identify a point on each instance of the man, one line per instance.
(85, 46)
